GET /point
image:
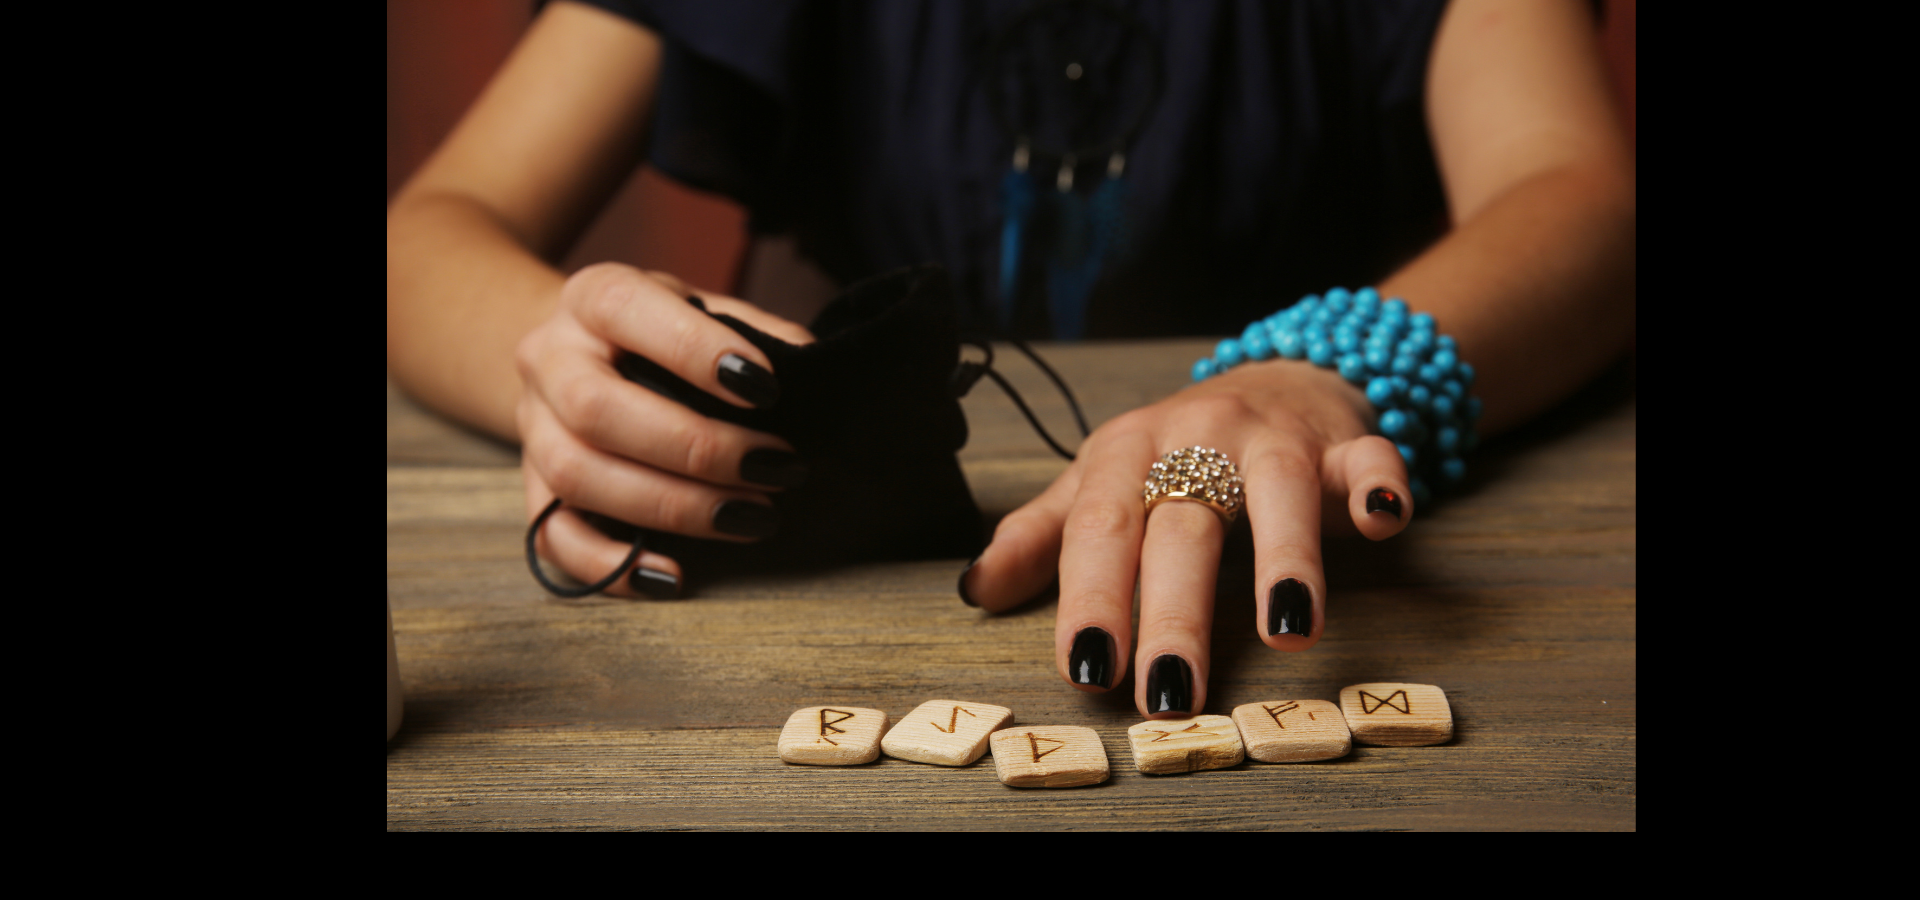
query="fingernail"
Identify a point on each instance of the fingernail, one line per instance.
(654, 583)
(1091, 659)
(744, 377)
(1290, 608)
(1382, 499)
(962, 584)
(697, 302)
(777, 468)
(1169, 685)
(743, 519)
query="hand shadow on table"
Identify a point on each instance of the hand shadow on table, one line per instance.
(1382, 596)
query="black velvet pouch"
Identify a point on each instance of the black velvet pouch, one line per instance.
(871, 408)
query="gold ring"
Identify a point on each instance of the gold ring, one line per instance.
(1201, 474)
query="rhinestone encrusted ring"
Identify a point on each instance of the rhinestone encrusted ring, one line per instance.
(1200, 474)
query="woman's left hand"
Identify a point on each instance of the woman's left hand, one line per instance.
(1300, 436)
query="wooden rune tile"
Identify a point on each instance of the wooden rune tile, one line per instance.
(1167, 746)
(1281, 731)
(1397, 715)
(1049, 756)
(832, 736)
(945, 732)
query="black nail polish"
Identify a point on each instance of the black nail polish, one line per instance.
(961, 585)
(743, 519)
(1382, 499)
(776, 468)
(697, 302)
(656, 584)
(1091, 659)
(1290, 608)
(1169, 685)
(745, 377)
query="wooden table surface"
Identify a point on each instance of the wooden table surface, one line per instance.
(528, 712)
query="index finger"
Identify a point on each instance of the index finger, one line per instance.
(643, 316)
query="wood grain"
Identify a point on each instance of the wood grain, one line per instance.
(528, 712)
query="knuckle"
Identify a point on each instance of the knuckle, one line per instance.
(1287, 459)
(564, 470)
(674, 510)
(702, 451)
(689, 348)
(1101, 519)
(1220, 407)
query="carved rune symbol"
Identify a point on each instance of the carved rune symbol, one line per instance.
(826, 726)
(1283, 710)
(1034, 740)
(954, 719)
(1405, 705)
(1184, 732)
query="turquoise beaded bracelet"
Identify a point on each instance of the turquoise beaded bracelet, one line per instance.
(1414, 377)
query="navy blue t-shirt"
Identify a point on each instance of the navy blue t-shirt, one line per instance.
(1284, 152)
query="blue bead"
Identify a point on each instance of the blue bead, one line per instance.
(1366, 297)
(1431, 374)
(1448, 440)
(1379, 391)
(1321, 353)
(1407, 453)
(1228, 354)
(1413, 346)
(1466, 375)
(1453, 469)
(1315, 331)
(1251, 330)
(1257, 345)
(1203, 368)
(1445, 342)
(1405, 364)
(1415, 433)
(1418, 397)
(1421, 496)
(1321, 316)
(1339, 300)
(1444, 358)
(1473, 409)
(1353, 368)
(1307, 303)
(1400, 385)
(1396, 307)
(1453, 388)
(1442, 406)
(1290, 344)
(1421, 321)
(1393, 423)
(1345, 340)
(1378, 359)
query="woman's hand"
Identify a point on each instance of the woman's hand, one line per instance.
(613, 447)
(1300, 437)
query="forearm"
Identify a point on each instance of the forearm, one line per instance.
(461, 292)
(1537, 287)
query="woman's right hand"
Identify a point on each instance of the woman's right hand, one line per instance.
(608, 445)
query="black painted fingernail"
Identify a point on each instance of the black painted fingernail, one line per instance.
(697, 302)
(1169, 685)
(1382, 499)
(745, 377)
(1091, 659)
(654, 583)
(777, 468)
(961, 585)
(1290, 608)
(744, 519)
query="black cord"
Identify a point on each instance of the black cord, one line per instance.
(533, 560)
(1065, 391)
(1042, 429)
